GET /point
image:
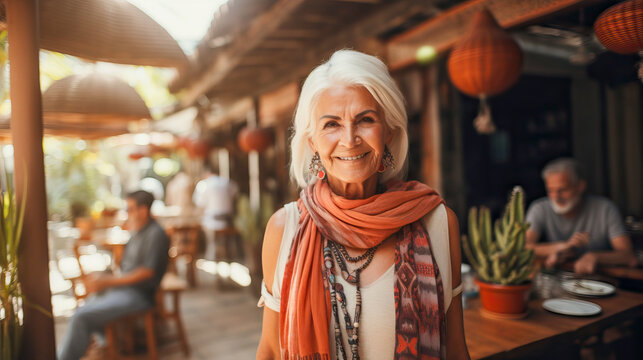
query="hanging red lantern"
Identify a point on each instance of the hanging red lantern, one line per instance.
(254, 139)
(136, 156)
(197, 148)
(485, 62)
(620, 28)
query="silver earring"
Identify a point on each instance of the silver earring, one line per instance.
(316, 167)
(387, 160)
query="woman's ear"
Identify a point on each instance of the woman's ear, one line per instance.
(389, 137)
(311, 145)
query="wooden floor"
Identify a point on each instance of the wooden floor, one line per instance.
(221, 324)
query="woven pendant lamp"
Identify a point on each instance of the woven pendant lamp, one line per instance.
(620, 29)
(485, 62)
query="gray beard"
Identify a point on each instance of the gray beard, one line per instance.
(564, 209)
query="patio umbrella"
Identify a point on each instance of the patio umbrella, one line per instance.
(92, 100)
(105, 30)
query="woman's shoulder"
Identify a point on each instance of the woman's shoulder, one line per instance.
(271, 244)
(441, 213)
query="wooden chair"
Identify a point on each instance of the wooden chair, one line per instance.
(79, 249)
(124, 328)
(159, 314)
(184, 241)
(172, 285)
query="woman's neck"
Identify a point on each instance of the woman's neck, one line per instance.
(354, 191)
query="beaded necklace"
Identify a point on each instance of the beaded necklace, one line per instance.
(337, 294)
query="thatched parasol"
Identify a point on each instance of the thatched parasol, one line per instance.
(87, 132)
(92, 99)
(89, 106)
(105, 30)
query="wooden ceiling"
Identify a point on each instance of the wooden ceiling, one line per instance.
(254, 46)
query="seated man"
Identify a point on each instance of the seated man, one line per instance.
(141, 270)
(576, 224)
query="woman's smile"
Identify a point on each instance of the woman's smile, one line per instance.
(352, 158)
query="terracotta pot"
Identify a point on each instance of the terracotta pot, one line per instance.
(504, 299)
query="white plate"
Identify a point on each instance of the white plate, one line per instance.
(587, 287)
(571, 307)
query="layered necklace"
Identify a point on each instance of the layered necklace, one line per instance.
(336, 252)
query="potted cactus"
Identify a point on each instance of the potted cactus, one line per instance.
(500, 259)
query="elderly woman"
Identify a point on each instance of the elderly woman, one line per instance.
(363, 265)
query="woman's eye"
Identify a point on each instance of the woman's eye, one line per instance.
(330, 124)
(367, 119)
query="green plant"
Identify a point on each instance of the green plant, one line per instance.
(11, 297)
(251, 223)
(503, 260)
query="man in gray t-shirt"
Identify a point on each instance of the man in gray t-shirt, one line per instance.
(572, 223)
(132, 290)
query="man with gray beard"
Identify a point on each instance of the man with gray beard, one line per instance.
(576, 225)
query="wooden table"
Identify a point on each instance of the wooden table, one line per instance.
(542, 331)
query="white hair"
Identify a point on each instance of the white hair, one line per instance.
(349, 68)
(563, 165)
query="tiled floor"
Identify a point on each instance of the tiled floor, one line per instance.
(220, 324)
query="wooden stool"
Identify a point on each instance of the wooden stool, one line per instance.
(127, 325)
(228, 246)
(184, 241)
(174, 285)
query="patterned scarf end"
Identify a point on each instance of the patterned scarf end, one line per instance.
(315, 356)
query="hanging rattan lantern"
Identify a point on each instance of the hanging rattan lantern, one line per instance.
(485, 62)
(254, 139)
(198, 148)
(620, 28)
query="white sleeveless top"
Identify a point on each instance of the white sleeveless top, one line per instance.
(377, 320)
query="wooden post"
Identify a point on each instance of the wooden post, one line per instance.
(431, 144)
(253, 167)
(26, 130)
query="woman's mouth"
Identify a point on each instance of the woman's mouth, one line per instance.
(350, 158)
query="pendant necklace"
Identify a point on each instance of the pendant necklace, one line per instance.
(334, 251)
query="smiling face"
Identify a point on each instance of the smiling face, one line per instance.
(349, 134)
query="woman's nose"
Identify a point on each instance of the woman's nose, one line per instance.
(350, 137)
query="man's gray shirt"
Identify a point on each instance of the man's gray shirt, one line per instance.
(147, 248)
(598, 216)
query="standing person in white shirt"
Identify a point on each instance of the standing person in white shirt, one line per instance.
(216, 196)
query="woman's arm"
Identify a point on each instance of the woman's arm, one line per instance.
(269, 344)
(456, 345)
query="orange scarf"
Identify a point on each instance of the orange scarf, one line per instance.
(305, 305)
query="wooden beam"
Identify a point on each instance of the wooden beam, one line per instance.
(444, 30)
(274, 105)
(296, 33)
(362, 33)
(282, 44)
(261, 28)
(362, 1)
